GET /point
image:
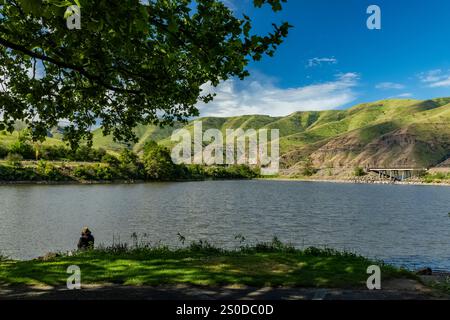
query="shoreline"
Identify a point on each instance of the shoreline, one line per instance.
(344, 181)
(122, 182)
(110, 182)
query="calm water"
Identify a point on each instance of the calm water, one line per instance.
(405, 225)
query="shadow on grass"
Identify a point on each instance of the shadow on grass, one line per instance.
(257, 267)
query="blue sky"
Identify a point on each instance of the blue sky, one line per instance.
(331, 60)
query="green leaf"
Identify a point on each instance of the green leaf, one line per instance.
(33, 7)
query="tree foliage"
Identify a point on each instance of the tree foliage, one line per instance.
(158, 163)
(132, 62)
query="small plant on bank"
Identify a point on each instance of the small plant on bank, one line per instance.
(181, 238)
(308, 168)
(359, 172)
(203, 246)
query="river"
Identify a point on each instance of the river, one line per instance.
(404, 225)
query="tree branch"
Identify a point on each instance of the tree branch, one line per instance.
(65, 65)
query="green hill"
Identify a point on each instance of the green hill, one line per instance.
(382, 133)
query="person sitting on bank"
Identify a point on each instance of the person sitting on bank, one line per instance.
(86, 240)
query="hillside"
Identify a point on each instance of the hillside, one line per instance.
(383, 133)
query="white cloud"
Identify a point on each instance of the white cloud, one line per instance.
(262, 96)
(389, 85)
(442, 83)
(402, 95)
(314, 62)
(436, 78)
(431, 76)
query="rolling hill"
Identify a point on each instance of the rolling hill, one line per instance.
(384, 133)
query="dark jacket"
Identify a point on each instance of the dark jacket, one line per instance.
(86, 242)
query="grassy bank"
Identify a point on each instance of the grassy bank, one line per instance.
(271, 264)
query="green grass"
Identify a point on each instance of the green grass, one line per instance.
(438, 177)
(201, 265)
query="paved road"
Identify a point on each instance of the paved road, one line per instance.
(395, 290)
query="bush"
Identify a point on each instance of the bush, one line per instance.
(197, 172)
(240, 171)
(111, 160)
(55, 153)
(105, 173)
(158, 163)
(308, 169)
(24, 149)
(359, 172)
(48, 172)
(17, 174)
(95, 172)
(3, 151)
(97, 154)
(85, 173)
(130, 166)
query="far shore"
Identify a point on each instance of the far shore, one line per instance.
(354, 181)
(118, 182)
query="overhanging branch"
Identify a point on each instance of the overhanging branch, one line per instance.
(62, 64)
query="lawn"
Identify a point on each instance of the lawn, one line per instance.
(256, 266)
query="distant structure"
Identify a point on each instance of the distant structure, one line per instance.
(398, 174)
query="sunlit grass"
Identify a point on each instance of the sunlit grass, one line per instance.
(256, 266)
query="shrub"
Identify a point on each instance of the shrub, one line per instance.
(85, 172)
(359, 172)
(48, 172)
(55, 153)
(111, 160)
(6, 173)
(97, 154)
(105, 173)
(196, 171)
(158, 163)
(88, 154)
(308, 169)
(130, 166)
(223, 172)
(17, 174)
(23, 148)
(3, 151)
(95, 172)
(240, 171)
